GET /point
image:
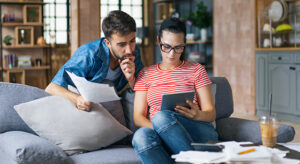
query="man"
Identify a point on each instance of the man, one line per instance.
(115, 58)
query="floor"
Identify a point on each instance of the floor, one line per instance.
(295, 125)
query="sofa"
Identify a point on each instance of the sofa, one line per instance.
(228, 128)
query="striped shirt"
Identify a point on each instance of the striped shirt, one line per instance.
(156, 82)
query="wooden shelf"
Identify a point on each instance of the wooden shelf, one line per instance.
(156, 1)
(12, 24)
(20, 2)
(44, 67)
(25, 42)
(198, 42)
(24, 46)
(278, 49)
(292, 0)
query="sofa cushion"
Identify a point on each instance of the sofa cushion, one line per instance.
(13, 94)
(223, 98)
(110, 155)
(26, 148)
(58, 119)
(127, 103)
(116, 110)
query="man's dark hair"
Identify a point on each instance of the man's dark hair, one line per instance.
(118, 22)
(173, 25)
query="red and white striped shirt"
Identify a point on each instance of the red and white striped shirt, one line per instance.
(186, 77)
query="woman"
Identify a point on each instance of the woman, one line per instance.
(168, 132)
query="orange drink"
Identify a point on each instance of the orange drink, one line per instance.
(269, 129)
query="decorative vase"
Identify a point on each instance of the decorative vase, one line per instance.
(203, 34)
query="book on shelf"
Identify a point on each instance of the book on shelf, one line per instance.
(10, 61)
(24, 61)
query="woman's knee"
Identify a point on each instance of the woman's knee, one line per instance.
(163, 119)
(144, 138)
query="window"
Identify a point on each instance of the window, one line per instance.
(132, 7)
(57, 20)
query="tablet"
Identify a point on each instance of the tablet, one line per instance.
(169, 101)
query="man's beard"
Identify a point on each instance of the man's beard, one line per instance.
(118, 57)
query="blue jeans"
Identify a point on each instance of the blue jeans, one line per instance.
(172, 133)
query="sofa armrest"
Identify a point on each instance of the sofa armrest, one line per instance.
(236, 129)
(26, 148)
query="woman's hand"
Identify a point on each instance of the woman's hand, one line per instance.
(207, 112)
(191, 113)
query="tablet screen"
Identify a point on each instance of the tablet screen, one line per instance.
(169, 101)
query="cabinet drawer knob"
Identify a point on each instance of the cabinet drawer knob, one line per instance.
(292, 68)
(279, 58)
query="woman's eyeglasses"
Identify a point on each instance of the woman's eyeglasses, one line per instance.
(167, 48)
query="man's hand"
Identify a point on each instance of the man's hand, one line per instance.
(81, 104)
(191, 113)
(128, 69)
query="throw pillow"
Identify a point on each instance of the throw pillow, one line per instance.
(26, 148)
(114, 107)
(75, 131)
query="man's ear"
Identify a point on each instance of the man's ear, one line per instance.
(107, 42)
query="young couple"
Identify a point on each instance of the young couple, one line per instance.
(116, 58)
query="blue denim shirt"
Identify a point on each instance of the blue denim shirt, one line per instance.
(91, 61)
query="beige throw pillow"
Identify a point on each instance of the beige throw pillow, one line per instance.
(58, 120)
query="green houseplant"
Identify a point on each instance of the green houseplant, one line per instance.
(32, 14)
(7, 39)
(201, 18)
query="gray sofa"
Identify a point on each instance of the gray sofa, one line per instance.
(228, 128)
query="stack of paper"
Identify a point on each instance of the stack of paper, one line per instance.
(94, 92)
(230, 154)
(232, 149)
(199, 157)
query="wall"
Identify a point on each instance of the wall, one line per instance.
(147, 50)
(60, 55)
(234, 55)
(85, 22)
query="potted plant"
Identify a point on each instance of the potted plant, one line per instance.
(7, 39)
(32, 14)
(201, 18)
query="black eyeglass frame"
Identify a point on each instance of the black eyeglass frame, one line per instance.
(172, 48)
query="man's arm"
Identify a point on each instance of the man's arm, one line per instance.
(57, 90)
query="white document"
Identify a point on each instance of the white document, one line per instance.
(94, 92)
(232, 149)
(261, 155)
(199, 157)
